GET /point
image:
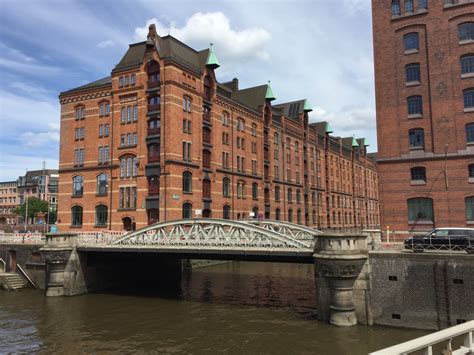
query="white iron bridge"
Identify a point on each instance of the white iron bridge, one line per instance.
(215, 239)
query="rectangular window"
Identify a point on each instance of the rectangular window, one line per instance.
(127, 80)
(124, 115)
(186, 151)
(135, 113)
(122, 140)
(134, 166)
(129, 139)
(106, 133)
(129, 114)
(107, 109)
(101, 109)
(81, 156)
(77, 135)
(413, 73)
(254, 147)
(106, 154)
(101, 130)
(122, 167)
(133, 79)
(101, 152)
(121, 82)
(135, 139)
(254, 167)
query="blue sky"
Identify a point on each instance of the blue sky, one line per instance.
(320, 50)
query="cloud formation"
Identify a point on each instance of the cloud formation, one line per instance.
(202, 28)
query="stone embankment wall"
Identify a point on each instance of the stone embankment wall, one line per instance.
(29, 258)
(425, 291)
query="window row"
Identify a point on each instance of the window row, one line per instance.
(129, 139)
(127, 80)
(408, 6)
(128, 167)
(78, 185)
(421, 209)
(129, 114)
(418, 173)
(415, 102)
(101, 216)
(465, 33)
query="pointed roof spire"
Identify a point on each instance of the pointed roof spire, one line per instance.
(212, 61)
(307, 106)
(269, 94)
(354, 143)
(329, 128)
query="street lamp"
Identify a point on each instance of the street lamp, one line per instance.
(26, 212)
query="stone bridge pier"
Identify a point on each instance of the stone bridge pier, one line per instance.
(342, 280)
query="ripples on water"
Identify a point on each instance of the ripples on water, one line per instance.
(234, 308)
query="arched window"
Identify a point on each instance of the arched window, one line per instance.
(467, 64)
(207, 88)
(412, 72)
(77, 185)
(469, 98)
(418, 173)
(277, 193)
(102, 184)
(416, 137)
(101, 215)
(226, 212)
(411, 41)
(187, 182)
(80, 112)
(277, 214)
(290, 196)
(226, 187)
(255, 212)
(415, 105)
(290, 215)
(255, 191)
(408, 5)
(187, 210)
(470, 133)
(466, 31)
(470, 170)
(420, 209)
(128, 166)
(395, 7)
(470, 209)
(76, 216)
(206, 188)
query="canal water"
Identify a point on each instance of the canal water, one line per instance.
(235, 308)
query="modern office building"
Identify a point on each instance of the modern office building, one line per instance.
(424, 76)
(162, 139)
(8, 202)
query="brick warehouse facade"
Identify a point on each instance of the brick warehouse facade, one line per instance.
(424, 76)
(161, 139)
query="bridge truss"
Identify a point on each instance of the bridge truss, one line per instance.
(224, 235)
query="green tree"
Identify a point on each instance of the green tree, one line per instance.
(35, 205)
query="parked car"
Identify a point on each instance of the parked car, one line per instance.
(443, 239)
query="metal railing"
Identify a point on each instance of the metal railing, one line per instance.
(447, 243)
(32, 283)
(427, 342)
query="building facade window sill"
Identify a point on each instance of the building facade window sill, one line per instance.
(415, 115)
(466, 41)
(100, 225)
(418, 182)
(469, 109)
(411, 51)
(412, 83)
(75, 226)
(427, 223)
(101, 194)
(467, 75)
(420, 147)
(126, 209)
(187, 192)
(76, 196)
(471, 180)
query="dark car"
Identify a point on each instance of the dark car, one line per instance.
(443, 239)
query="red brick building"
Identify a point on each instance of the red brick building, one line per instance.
(424, 76)
(161, 139)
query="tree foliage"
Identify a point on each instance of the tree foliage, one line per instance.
(35, 205)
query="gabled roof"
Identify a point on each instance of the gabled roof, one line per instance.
(107, 81)
(251, 97)
(292, 109)
(322, 127)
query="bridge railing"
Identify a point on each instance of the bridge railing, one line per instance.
(427, 342)
(22, 238)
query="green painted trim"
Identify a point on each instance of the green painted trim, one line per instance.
(269, 94)
(307, 106)
(212, 59)
(329, 128)
(354, 143)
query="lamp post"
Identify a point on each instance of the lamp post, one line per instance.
(26, 212)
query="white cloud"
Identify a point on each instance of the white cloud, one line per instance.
(106, 44)
(39, 139)
(214, 27)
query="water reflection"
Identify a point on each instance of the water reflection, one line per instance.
(235, 308)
